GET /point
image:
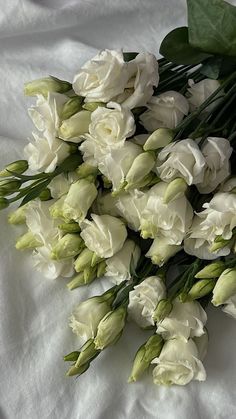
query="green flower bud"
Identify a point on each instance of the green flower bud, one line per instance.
(95, 259)
(83, 260)
(158, 139)
(101, 268)
(9, 186)
(56, 209)
(201, 288)
(141, 167)
(89, 275)
(213, 270)
(71, 357)
(106, 182)
(4, 203)
(110, 328)
(72, 106)
(19, 166)
(144, 356)
(17, 216)
(27, 241)
(45, 85)
(225, 287)
(70, 227)
(67, 247)
(76, 282)
(45, 195)
(175, 189)
(77, 370)
(85, 170)
(71, 129)
(92, 106)
(87, 353)
(162, 310)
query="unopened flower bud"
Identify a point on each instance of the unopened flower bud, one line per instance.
(87, 353)
(27, 241)
(56, 209)
(110, 328)
(225, 287)
(71, 129)
(144, 356)
(213, 270)
(45, 85)
(72, 106)
(45, 195)
(95, 259)
(106, 182)
(89, 275)
(18, 216)
(158, 139)
(141, 166)
(72, 356)
(79, 199)
(19, 166)
(92, 106)
(85, 170)
(219, 243)
(68, 246)
(83, 260)
(70, 227)
(162, 310)
(175, 189)
(201, 288)
(77, 370)
(76, 282)
(9, 186)
(101, 269)
(4, 203)
(160, 251)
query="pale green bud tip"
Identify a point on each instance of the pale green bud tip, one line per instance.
(75, 126)
(76, 282)
(72, 106)
(225, 287)
(71, 357)
(201, 288)
(85, 170)
(219, 243)
(77, 370)
(17, 216)
(92, 106)
(95, 259)
(89, 275)
(71, 227)
(45, 195)
(158, 139)
(4, 203)
(213, 270)
(87, 353)
(68, 246)
(162, 310)
(140, 168)
(27, 241)
(7, 187)
(101, 268)
(45, 85)
(174, 190)
(19, 166)
(83, 260)
(110, 328)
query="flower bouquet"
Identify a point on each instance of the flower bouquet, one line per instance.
(132, 177)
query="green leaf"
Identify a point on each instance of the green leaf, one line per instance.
(35, 192)
(128, 56)
(211, 67)
(70, 163)
(212, 26)
(175, 47)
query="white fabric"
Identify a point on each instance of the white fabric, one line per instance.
(55, 37)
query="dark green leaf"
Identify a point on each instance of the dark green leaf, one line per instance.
(128, 56)
(211, 67)
(35, 192)
(175, 47)
(70, 163)
(212, 26)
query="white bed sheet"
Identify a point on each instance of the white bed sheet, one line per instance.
(55, 37)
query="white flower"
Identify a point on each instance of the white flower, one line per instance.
(230, 307)
(74, 127)
(79, 199)
(184, 321)
(225, 287)
(143, 76)
(170, 220)
(229, 185)
(144, 299)
(46, 153)
(119, 266)
(87, 316)
(110, 127)
(178, 364)
(161, 251)
(46, 114)
(105, 203)
(217, 219)
(181, 159)
(60, 184)
(51, 269)
(130, 206)
(103, 77)
(105, 235)
(217, 152)
(199, 92)
(165, 110)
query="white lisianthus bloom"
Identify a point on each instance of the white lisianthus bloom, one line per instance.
(46, 114)
(229, 185)
(105, 235)
(103, 77)
(130, 206)
(51, 269)
(230, 307)
(45, 153)
(87, 315)
(199, 92)
(161, 251)
(181, 159)
(143, 76)
(60, 184)
(105, 203)
(170, 220)
(119, 266)
(217, 219)
(217, 152)
(110, 127)
(79, 199)
(184, 321)
(165, 110)
(144, 299)
(178, 363)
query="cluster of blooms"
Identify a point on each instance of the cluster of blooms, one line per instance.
(133, 186)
